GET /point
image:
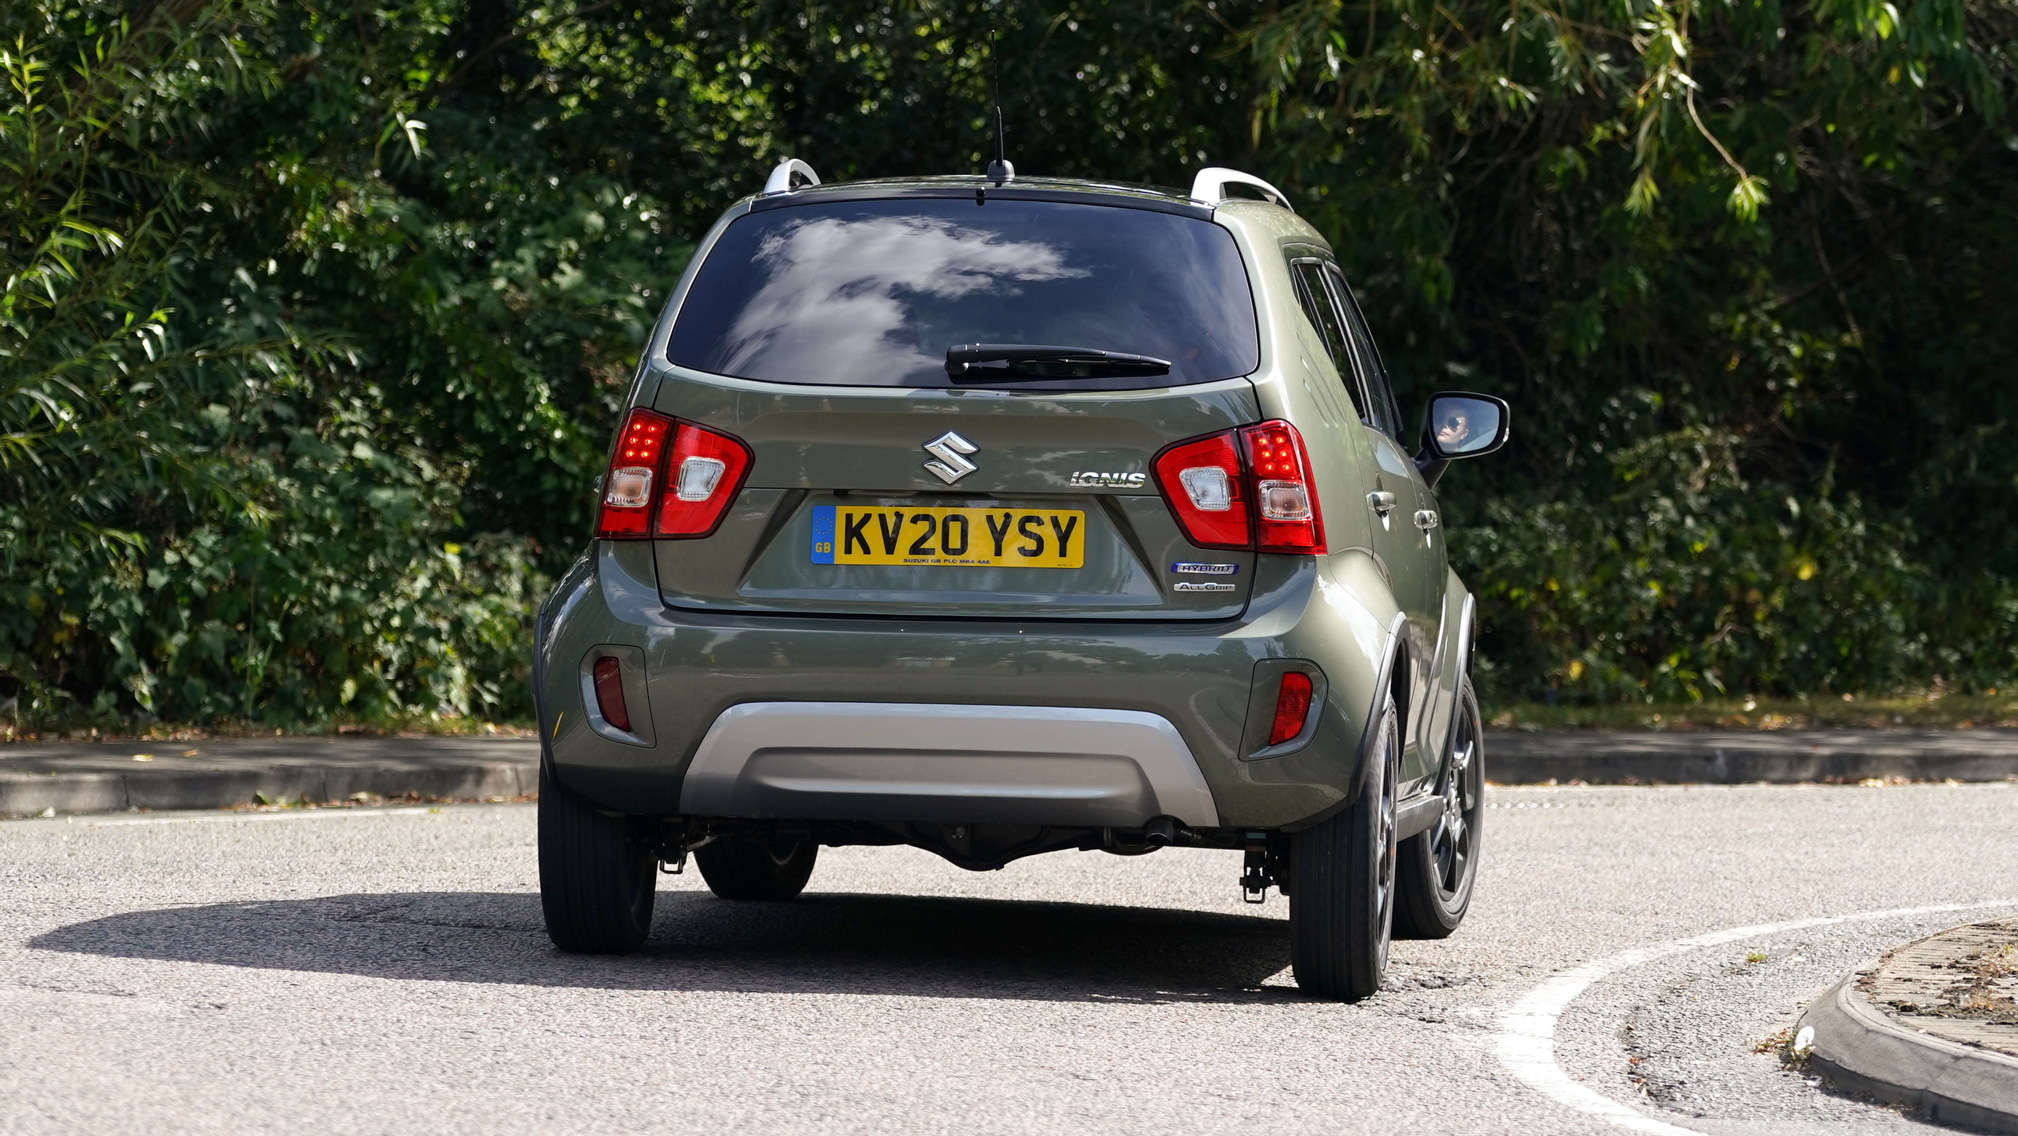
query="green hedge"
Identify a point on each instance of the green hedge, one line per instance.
(315, 322)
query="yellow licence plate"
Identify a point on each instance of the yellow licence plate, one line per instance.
(978, 538)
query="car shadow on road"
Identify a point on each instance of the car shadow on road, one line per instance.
(821, 943)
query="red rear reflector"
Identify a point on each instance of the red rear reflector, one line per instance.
(610, 694)
(1248, 488)
(703, 475)
(1292, 708)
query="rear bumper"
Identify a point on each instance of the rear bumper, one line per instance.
(945, 762)
(1062, 723)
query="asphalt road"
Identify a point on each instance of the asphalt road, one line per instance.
(385, 971)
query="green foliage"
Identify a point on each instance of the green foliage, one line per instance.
(1687, 578)
(315, 319)
(213, 514)
(1737, 266)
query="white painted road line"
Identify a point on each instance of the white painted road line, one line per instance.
(1526, 1042)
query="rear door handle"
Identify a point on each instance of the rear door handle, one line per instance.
(1382, 501)
(1426, 519)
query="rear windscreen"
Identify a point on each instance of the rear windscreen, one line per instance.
(872, 293)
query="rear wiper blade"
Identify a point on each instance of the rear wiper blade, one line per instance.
(994, 362)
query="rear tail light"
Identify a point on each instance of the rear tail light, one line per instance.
(1202, 481)
(708, 471)
(633, 475)
(669, 479)
(1248, 489)
(1292, 708)
(610, 694)
(1285, 500)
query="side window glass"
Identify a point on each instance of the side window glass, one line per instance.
(1386, 415)
(1317, 304)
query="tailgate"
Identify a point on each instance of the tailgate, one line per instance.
(953, 502)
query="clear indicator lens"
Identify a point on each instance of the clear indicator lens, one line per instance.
(1284, 501)
(1210, 490)
(630, 487)
(698, 478)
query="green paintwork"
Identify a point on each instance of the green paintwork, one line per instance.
(867, 443)
(744, 616)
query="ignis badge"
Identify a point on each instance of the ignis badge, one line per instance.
(1094, 479)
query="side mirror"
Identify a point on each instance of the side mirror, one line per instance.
(1460, 425)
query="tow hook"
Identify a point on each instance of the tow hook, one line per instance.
(672, 849)
(1257, 875)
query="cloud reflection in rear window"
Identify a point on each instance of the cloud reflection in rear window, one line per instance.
(871, 293)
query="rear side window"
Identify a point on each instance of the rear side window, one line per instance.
(1323, 315)
(1386, 415)
(872, 293)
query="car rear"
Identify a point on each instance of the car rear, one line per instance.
(949, 514)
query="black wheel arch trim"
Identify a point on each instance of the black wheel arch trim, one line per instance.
(1382, 685)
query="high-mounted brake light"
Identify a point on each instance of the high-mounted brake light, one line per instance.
(1246, 489)
(669, 479)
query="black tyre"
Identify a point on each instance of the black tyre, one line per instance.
(1341, 897)
(1438, 866)
(598, 876)
(736, 868)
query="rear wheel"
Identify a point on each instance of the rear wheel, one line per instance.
(736, 868)
(1341, 899)
(1438, 865)
(598, 876)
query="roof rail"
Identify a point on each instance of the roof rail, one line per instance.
(780, 180)
(1209, 187)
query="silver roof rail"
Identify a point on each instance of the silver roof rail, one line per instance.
(780, 180)
(1209, 187)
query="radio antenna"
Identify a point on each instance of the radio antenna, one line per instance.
(1000, 170)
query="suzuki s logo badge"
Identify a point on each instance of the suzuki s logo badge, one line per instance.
(948, 448)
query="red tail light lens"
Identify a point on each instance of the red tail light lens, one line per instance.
(633, 477)
(1248, 489)
(1202, 481)
(703, 474)
(1292, 708)
(1285, 500)
(609, 676)
(669, 479)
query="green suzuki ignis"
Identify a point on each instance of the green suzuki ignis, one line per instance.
(1000, 516)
